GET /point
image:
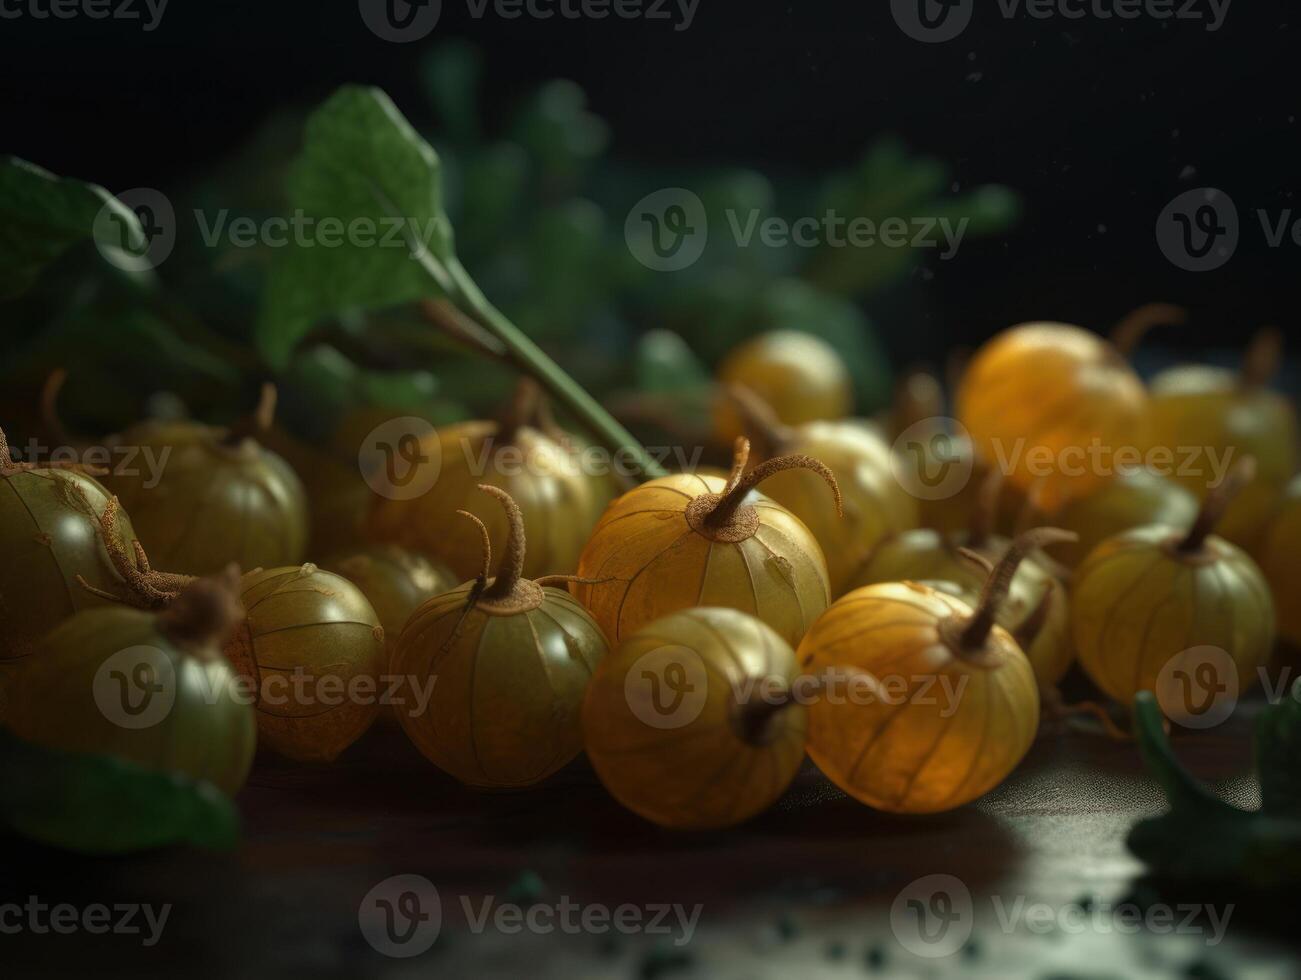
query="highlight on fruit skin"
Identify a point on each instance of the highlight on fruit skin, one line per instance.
(683, 541)
(312, 649)
(394, 581)
(800, 376)
(545, 478)
(1131, 499)
(948, 704)
(151, 687)
(48, 533)
(1038, 394)
(686, 722)
(1230, 415)
(1147, 600)
(493, 672)
(220, 496)
(874, 505)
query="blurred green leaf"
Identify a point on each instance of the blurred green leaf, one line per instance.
(452, 74)
(665, 363)
(95, 804)
(42, 216)
(362, 166)
(559, 132)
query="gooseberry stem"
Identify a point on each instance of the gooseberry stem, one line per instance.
(985, 514)
(529, 357)
(206, 613)
(521, 410)
(738, 487)
(917, 398)
(1261, 361)
(975, 633)
(1130, 331)
(482, 578)
(512, 563)
(259, 422)
(759, 420)
(1216, 503)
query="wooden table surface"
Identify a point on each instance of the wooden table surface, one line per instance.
(806, 890)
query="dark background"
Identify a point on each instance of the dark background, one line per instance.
(1098, 123)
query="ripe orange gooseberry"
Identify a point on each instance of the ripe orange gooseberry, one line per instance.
(873, 505)
(494, 671)
(953, 703)
(1038, 395)
(1203, 409)
(685, 540)
(681, 722)
(799, 375)
(557, 499)
(221, 497)
(1148, 603)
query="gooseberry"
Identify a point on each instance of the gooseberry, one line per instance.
(799, 375)
(1207, 410)
(680, 722)
(313, 650)
(149, 687)
(1148, 603)
(48, 520)
(503, 663)
(220, 497)
(687, 540)
(1037, 396)
(948, 703)
(873, 502)
(1135, 497)
(555, 496)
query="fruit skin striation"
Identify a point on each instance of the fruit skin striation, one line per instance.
(689, 755)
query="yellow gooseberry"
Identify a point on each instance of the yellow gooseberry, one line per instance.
(1207, 410)
(873, 505)
(312, 648)
(1036, 608)
(395, 582)
(680, 724)
(685, 540)
(547, 483)
(1280, 560)
(799, 375)
(1132, 499)
(946, 702)
(1037, 396)
(494, 671)
(1148, 604)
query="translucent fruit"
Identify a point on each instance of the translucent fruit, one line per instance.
(873, 504)
(544, 477)
(313, 649)
(799, 375)
(48, 534)
(1156, 608)
(494, 671)
(219, 496)
(1132, 499)
(149, 687)
(1038, 396)
(686, 724)
(944, 703)
(684, 541)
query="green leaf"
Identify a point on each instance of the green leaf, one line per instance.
(452, 74)
(1278, 755)
(42, 216)
(560, 133)
(665, 363)
(96, 804)
(362, 167)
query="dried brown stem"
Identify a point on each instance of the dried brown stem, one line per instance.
(455, 324)
(1262, 359)
(738, 489)
(482, 577)
(759, 421)
(918, 397)
(975, 633)
(1216, 503)
(259, 422)
(50, 405)
(512, 564)
(146, 588)
(1130, 331)
(521, 410)
(206, 613)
